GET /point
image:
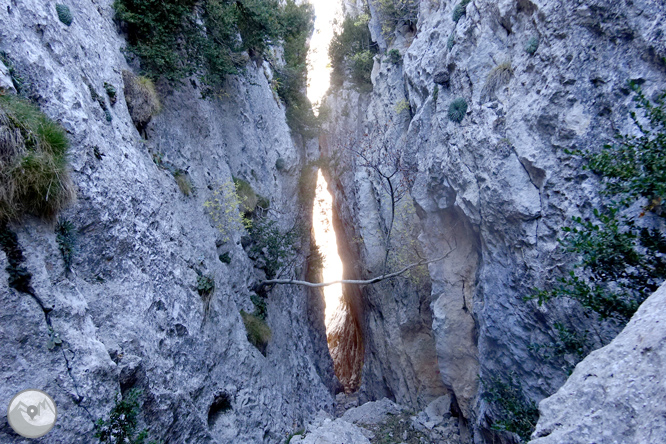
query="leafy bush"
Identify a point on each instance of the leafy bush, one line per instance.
(352, 47)
(515, 412)
(435, 94)
(270, 247)
(459, 10)
(223, 209)
(297, 24)
(141, 97)
(394, 56)
(64, 14)
(532, 45)
(54, 339)
(66, 238)
(457, 110)
(361, 66)
(450, 42)
(120, 427)
(393, 13)
(205, 285)
(111, 92)
(178, 38)
(258, 332)
(569, 343)
(620, 263)
(34, 176)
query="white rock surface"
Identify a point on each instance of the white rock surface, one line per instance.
(617, 394)
(333, 432)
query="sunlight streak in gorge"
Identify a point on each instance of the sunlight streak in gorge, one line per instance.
(319, 70)
(325, 239)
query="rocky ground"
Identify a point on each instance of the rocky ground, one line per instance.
(382, 422)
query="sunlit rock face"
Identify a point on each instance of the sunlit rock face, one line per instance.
(491, 192)
(129, 314)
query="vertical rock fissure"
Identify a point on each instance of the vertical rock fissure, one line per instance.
(343, 328)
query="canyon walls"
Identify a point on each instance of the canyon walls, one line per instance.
(492, 192)
(137, 310)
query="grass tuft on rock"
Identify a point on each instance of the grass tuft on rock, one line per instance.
(457, 110)
(142, 99)
(258, 332)
(34, 176)
(64, 14)
(183, 182)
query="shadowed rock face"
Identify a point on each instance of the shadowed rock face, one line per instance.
(495, 189)
(617, 393)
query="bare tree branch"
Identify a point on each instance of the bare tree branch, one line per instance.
(351, 281)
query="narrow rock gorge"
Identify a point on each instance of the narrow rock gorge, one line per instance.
(453, 139)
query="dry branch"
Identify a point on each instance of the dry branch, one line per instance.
(352, 281)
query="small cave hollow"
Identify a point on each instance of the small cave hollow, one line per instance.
(342, 314)
(221, 404)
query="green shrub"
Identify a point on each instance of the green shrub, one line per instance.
(223, 209)
(361, 67)
(352, 48)
(111, 92)
(532, 45)
(66, 239)
(280, 164)
(291, 79)
(300, 432)
(225, 258)
(457, 110)
(394, 56)
(34, 176)
(205, 285)
(141, 97)
(54, 339)
(64, 14)
(619, 262)
(258, 332)
(270, 247)
(396, 12)
(515, 412)
(120, 427)
(435, 94)
(459, 10)
(450, 42)
(178, 38)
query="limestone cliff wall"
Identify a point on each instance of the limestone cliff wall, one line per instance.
(493, 191)
(129, 314)
(616, 394)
